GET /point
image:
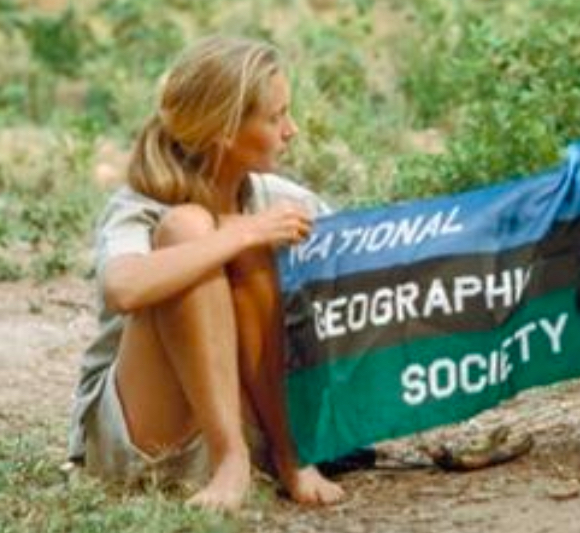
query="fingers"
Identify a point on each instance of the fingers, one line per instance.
(297, 222)
(285, 223)
(301, 230)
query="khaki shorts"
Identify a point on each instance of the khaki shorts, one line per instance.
(111, 454)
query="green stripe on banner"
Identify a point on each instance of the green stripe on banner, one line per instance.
(395, 391)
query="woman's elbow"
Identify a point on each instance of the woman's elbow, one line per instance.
(119, 299)
(119, 291)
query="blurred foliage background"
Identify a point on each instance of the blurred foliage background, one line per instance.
(395, 99)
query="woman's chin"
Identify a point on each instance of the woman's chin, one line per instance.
(268, 168)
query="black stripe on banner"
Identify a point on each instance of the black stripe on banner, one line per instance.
(329, 319)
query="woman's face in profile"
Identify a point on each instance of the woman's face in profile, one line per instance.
(265, 134)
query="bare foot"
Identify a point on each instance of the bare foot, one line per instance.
(308, 486)
(228, 487)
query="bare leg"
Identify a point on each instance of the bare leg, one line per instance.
(187, 348)
(258, 308)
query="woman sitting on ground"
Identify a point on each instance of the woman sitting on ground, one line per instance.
(184, 380)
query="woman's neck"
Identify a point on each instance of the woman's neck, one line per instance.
(228, 195)
(229, 183)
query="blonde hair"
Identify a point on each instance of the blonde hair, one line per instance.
(204, 98)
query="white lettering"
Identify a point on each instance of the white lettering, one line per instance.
(357, 312)
(521, 281)
(406, 296)
(380, 236)
(382, 307)
(523, 336)
(437, 298)
(505, 368)
(348, 237)
(475, 372)
(319, 320)
(405, 233)
(469, 362)
(449, 224)
(465, 287)
(502, 290)
(406, 301)
(414, 384)
(493, 373)
(554, 332)
(442, 378)
(360, 246)
(431, 228)
(333, 324)
(377, 237)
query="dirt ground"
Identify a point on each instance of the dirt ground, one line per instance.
(43, 328)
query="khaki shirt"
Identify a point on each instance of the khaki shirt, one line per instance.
(126, 226)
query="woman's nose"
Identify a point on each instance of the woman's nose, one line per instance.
(291, 128)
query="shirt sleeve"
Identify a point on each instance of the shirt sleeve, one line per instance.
(271, 188)
(126, 227)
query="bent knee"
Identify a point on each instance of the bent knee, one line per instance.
(183, 223)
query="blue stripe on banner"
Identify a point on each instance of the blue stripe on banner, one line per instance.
(486, 220)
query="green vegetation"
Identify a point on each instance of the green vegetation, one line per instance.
(492, 84)
(394, 100)
(35, 496)
(501, 79)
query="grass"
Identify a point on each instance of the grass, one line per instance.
(35, 496)
(495, 82)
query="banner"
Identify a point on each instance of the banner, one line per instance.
(412, 315)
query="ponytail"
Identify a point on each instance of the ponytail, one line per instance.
(162, 169)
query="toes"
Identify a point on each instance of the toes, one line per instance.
(330, 494)
(213, 503)
(326, 493)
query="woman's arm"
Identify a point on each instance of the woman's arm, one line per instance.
(135, 281)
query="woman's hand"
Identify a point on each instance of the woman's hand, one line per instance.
(282, 224)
